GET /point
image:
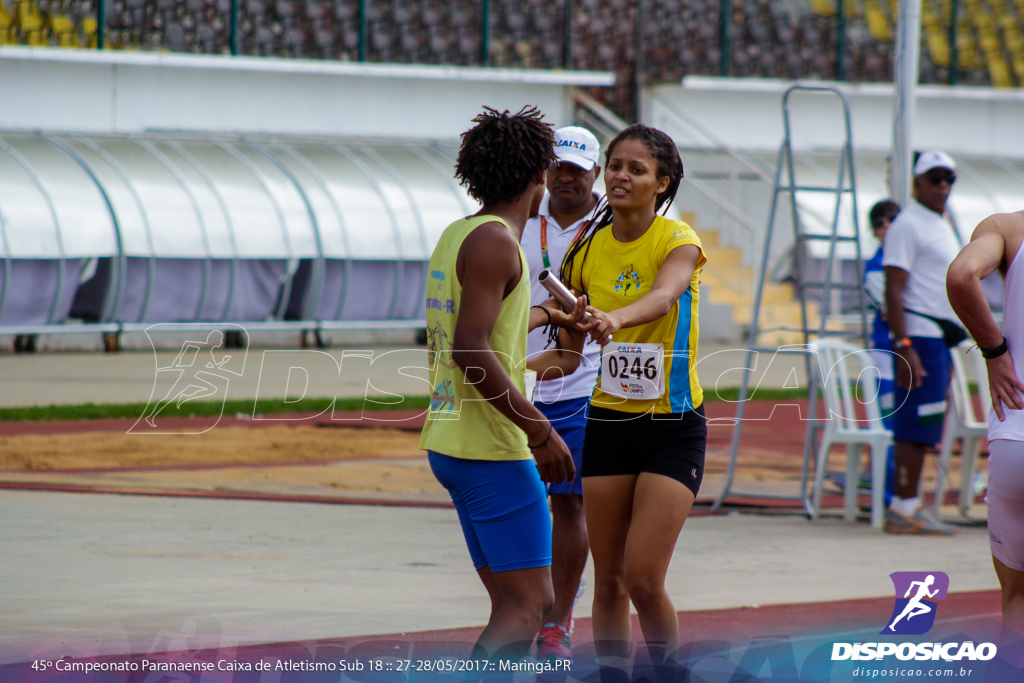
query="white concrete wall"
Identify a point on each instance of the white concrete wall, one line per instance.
(747, 114)
(128, 92)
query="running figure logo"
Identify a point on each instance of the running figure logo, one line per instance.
(201, 370)
(914, 613)
(628, 282)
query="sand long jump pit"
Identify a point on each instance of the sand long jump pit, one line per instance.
(370, 457)
(294, 460)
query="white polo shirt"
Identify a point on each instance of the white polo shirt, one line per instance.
(580, 383)
(922, 243)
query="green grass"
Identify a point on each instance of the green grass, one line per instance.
(108, 411)
(113, 411)
(712, 395)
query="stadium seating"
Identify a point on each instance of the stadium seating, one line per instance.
(8, 27)
(796, 39)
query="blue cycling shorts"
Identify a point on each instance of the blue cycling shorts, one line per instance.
(569, 418)
(503, 509)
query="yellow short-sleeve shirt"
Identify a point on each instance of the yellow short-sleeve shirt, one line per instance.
(615, 274)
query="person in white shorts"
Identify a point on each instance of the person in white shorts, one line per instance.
(997, 244)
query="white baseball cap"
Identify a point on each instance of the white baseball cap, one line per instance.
(577, 146)
(933, 159)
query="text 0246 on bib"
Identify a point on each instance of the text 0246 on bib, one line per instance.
(634, 371)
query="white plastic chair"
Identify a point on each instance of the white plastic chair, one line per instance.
(845, 426)
(963, 423)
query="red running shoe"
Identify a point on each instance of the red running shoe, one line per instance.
(553, 642)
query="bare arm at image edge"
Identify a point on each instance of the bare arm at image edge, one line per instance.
(980, 258)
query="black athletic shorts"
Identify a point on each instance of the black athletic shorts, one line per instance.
(628, 443)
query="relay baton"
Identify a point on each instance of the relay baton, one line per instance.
(559, 291)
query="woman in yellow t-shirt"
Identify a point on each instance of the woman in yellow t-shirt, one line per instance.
(643, 454)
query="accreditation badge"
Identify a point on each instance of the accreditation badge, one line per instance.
(633, 371)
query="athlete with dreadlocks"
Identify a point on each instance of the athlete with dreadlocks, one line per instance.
(643, 453)
(487, 444)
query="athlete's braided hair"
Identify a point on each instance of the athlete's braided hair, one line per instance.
(503, 153)
(665, 154)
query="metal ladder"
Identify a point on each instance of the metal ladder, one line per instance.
(845, 185)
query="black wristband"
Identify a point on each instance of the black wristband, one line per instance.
(551, 428)
(546, 311)
(994, 352)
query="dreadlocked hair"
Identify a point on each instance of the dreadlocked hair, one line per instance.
(502, 154)
(666, 156)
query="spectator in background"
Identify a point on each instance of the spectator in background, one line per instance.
(919, 247)
(882, 215)
(564, 214)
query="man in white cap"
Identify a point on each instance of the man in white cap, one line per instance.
(919, 247)
(564, 213)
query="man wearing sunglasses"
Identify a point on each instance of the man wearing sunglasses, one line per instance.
(919, 247)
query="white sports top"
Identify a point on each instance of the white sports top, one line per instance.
(580, 383)
(1013, 330)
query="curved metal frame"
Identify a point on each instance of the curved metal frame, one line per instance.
(286, 285)
(117, 274)
(400, 261)
(404, 187)
(208, 179)
(977, 179)
(318, 177)
(176, 172)
(446, 175)
(1010, 170)
(62, 258)
(113, 300)
(170, 153)
(864, 170)
(317, 276)
(7, 265)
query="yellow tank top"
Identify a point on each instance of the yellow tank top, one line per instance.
(460, 423)
(615, 274)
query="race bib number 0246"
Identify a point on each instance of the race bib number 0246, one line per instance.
(635, 371)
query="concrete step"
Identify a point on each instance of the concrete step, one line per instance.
(723, 257)
(778, 338)
(709, 237)
(716, 321)
(777, 314)
(733, 286)
(727, 292)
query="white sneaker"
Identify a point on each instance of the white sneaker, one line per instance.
(922, 523)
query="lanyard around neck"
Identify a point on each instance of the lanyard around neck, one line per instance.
(544, 238)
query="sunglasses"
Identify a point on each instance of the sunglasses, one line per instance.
(937, 178)
(882, 221)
